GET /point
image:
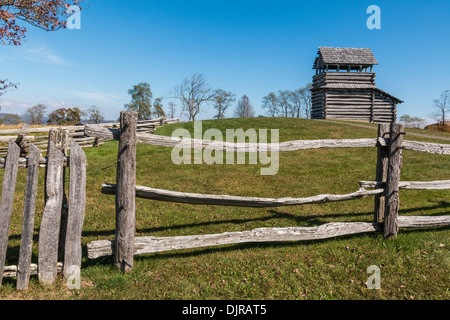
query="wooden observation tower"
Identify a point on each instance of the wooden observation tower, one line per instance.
(344, 87)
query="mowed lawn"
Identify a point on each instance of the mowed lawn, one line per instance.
(414, 266)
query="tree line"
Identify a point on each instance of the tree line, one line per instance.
(289, 103)
(196, 96)
(63, 116)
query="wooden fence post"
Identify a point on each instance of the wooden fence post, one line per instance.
(29, 204)
(21, 141)
(390, 227)
(62, 141)
(381, 174)
(77, 205)
(51, 218)
(126, 192)
(9, 185)
(51, 138)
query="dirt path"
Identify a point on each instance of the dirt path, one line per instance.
(375, 128)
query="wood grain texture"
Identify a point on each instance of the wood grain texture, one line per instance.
(98, 131)
(414, 185)
(50, 224)
(414, 222)
(26, 240)
(77, 205)
(381, 172)
(14, 138)
(226, 200)
(40, 130)
(143, 245)
(392, 202)
(438, 148)
(62, 141)
(126, 192)
(13, 271)
(164, 141)
(51, 139)
(23, 162)
(8, 187)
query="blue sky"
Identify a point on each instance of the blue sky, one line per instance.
(247, 47)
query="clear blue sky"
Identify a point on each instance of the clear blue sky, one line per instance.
(247, 47)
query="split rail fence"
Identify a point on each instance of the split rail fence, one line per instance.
(84, 135)
(59, 245)
(386, 186)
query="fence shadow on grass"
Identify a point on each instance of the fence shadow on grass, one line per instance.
(196, 252)
(440, 205)
(313, 220)
(316, 219)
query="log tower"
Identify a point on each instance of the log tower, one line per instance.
(344, 87)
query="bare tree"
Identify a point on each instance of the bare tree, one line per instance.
(289, 103)
(270, 102)
(244, 108)
(285, 103)
(94, 115)
(442, 106)
(222, 100)
(412, 122)
(35, 114)
(193, 93)
(172, 108)
(296, 102)
(305, 94)
(158, 107)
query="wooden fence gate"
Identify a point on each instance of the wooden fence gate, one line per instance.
(386, 186)
(62, 220)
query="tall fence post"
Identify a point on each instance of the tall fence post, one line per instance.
(126, 192)
(6, 205)
(62, 141)
(29, 205)
(390, 227)
(51, 217)
(76, 210)
(381, 174)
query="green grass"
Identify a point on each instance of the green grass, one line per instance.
(414, 266)
(407, 130)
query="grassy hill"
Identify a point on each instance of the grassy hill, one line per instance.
(414, 266)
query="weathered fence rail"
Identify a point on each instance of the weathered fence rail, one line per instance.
(86, 136)
(57, 234)
(288, 145)
(226, 200)
(144, 245)
(255, 147)
(389, 142)
(416, 185)
(24, 162)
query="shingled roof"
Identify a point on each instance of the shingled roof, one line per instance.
(344, 56)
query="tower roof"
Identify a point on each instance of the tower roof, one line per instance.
(344, 57)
